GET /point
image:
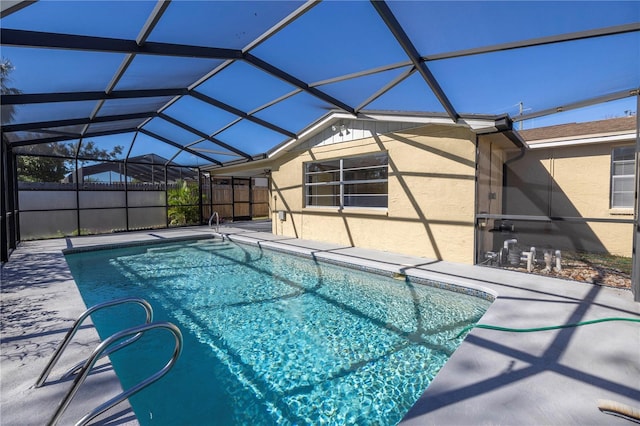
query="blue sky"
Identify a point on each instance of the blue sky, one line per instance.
(333, 39)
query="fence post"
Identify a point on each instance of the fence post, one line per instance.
(77, 195)
(635, 260)
(200, 206)
(166, 196)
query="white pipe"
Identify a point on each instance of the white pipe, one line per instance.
(504, 252)
(507, 242)
(558, 258)
(547, 260)
(528, 256)
(217, 216)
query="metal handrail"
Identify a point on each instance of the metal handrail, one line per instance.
(217, 216)
(72, 331)
(97, 354)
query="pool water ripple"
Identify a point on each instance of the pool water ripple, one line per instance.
(272, 338)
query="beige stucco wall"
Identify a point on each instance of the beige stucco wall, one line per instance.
(574, 182)
(431, 195)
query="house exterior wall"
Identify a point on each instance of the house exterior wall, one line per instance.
(431, 194)
(568, 182)
(491, 157)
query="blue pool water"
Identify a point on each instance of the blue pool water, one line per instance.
(271, 338)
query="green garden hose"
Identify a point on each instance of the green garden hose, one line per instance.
(553, 327)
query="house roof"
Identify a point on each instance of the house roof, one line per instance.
(612, 126)
(212, 83)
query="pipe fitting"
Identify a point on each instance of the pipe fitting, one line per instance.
(511, 241)
(527, 256)
(558, 259)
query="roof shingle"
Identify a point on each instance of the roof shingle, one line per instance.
(612, 125)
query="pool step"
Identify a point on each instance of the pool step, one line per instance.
(163, 249)
(211, 245)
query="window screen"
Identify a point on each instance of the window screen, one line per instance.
(622, 177)
(348, 182)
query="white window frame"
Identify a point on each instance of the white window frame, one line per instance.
(616, 179)
(341, 182)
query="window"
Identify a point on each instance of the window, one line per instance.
(347, 182)
(623, 177)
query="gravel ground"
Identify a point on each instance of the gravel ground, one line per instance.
(582, 271)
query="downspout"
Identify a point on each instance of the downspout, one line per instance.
(503, 125)
(514, 159)
(518, 141)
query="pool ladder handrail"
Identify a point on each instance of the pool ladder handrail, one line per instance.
(217, 216)
(98, 353)
(76, 325)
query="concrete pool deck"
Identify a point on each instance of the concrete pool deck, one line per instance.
(551, 377)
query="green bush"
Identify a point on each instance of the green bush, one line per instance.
(184, 205)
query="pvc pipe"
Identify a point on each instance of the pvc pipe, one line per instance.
(528, 256)
(547, 260)
(507, 242)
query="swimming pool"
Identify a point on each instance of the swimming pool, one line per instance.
(271, 338)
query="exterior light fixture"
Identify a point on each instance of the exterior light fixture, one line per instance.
(341, 128)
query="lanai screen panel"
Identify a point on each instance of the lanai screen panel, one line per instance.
(200, 115)
(249, 76)
(245, 87)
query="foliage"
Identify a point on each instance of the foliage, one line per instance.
(8, 111)
(41, 169)
(46, 169)
(54, 169)
(184, 204)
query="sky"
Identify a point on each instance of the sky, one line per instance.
(335, 39)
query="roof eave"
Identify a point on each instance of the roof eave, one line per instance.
(477, 123)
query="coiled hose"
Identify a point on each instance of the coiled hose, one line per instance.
(553, 327)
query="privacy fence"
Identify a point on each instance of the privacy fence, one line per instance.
(54, 209)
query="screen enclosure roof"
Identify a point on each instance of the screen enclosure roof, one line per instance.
(210, 83)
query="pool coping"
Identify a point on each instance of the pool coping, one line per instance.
(470, 290)
(507, 378)
(98, 247)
